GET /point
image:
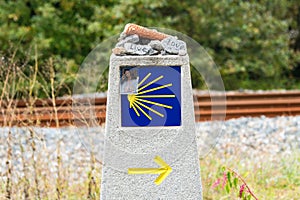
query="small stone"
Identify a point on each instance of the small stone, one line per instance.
(144, 41)
(119, 51)
(156, 44)
(137, 49)
(163, 52)
(144, 32)
(182, 52)
(122, 36)
(128, 39)
(173, 45)
(153, 52)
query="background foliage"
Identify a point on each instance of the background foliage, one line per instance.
(256, 44)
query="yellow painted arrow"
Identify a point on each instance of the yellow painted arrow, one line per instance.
(164, 171)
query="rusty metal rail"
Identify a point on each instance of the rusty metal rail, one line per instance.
(77, 112)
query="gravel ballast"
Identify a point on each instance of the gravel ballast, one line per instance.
(253, 138)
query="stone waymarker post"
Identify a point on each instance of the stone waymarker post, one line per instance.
(150, 146)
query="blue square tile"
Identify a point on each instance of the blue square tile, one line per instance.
(157, 101)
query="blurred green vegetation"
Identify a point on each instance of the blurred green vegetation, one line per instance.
(256, 44)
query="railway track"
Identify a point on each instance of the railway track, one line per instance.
(66, 112)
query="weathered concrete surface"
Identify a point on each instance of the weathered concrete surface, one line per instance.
(127, 147)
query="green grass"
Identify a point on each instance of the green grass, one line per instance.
(277, 179)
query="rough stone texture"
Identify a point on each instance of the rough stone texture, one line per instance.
(173, 45)
(137, 49)
(144, 41)
(136, 147)
(153, 52)
(131, 39)
(138, 40)
(143, 32)
(182, 52)
(119, 51)
(156, 44)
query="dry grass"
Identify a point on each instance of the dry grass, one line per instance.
(37, 179)
(28, 173)
(44, 174)
(277, 180)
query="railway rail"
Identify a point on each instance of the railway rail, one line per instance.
(77, 112)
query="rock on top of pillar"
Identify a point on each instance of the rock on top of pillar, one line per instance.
(139, 40)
